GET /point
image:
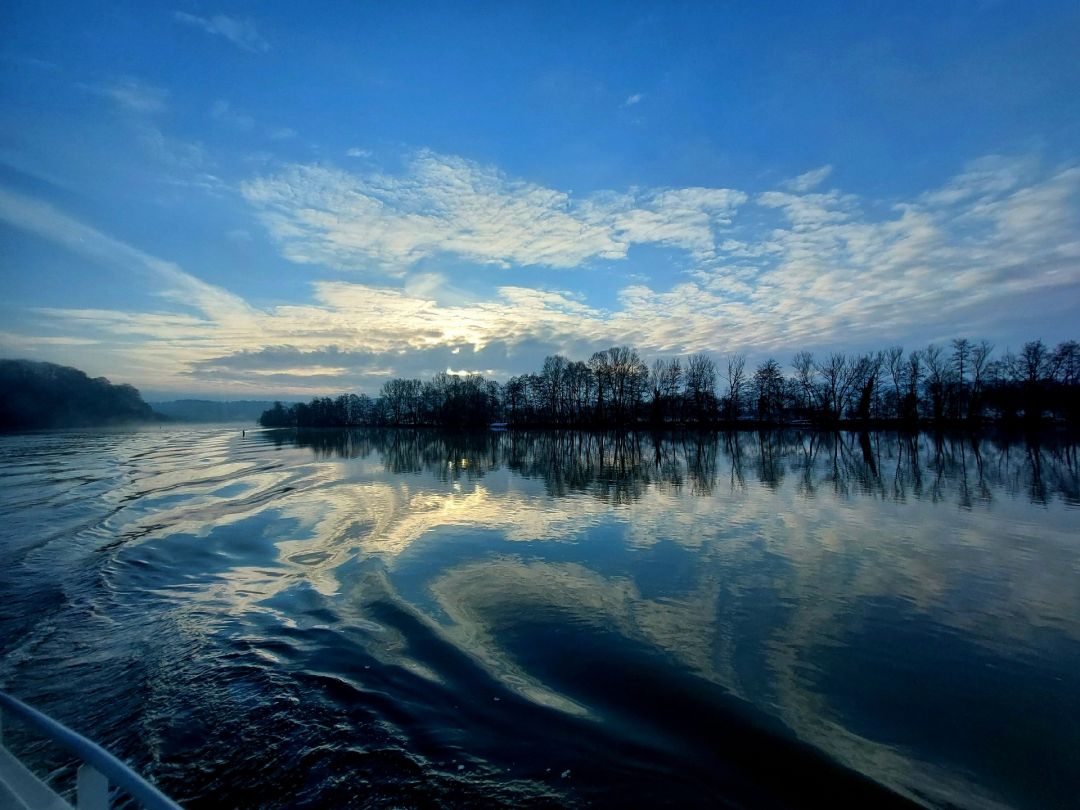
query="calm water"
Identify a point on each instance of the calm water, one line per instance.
(414, 619)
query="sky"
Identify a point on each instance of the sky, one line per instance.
(260, 199)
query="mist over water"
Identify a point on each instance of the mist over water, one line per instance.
(404, 618)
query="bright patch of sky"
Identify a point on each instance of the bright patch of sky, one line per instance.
(287, 199)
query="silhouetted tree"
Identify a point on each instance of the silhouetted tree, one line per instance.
(865, 372)
(768, 384)
(701, 386)
(736, 379)
(278, 416)
(961, 362)
(913, 380)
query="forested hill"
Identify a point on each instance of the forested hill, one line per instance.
(45, 395)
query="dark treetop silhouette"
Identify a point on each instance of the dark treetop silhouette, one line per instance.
(615, 387)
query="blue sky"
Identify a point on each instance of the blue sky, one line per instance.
(263, 199)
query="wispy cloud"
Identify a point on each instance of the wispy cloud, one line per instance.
(990, 175)
(241, 33)
(223, 112)
(357, 152)
(810, 180)
(30, 62)
(132, 94)
(180, 163)
(448, 205)
(631, 100)
(47, 222)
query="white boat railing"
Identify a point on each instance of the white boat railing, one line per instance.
(99, 768)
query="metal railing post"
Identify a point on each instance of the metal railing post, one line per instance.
(91, 789)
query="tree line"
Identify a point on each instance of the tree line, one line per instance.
(960, 383)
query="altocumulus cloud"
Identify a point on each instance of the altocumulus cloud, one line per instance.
(449, 205)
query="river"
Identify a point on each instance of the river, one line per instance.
(410, 618)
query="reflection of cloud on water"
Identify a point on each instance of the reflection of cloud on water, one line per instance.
(484, 600)
(328, 513)
(468, 594)
(988, 575)
(801, 528)
(871, 548)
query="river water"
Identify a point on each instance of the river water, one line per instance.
(413, 619)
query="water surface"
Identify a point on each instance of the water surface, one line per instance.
(400, 618)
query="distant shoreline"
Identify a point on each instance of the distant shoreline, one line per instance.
(616, 388)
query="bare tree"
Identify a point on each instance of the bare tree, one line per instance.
(554, 377)
(980, 364)
(894, 359)
(865, 372)
(961, 362)
(701, 384)
(936, 378)
(403, 400)
(837, 379)
(579, 389)
(1034, 358)
(628, 379)
(600, 366)
(736, 378)
(664, 381)
(769, 389)
(806, 379)
(1065, 363)
(913, 379)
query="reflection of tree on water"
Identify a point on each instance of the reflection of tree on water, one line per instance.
(614, 467)
(733, 446)
(772, 452)
(618, 467)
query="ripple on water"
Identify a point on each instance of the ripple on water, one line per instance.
(413, 619)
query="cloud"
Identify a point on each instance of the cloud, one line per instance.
(133, 94)
(448, 205)
(31, 343)
(174, 152)
(810, 180)
(993, 174)
(940, 264)
(282, 133)
(223, 112)
(241, 33)
(813, 270)
(45, 221)
(30, 62)
(633, 99)
(356, 152)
